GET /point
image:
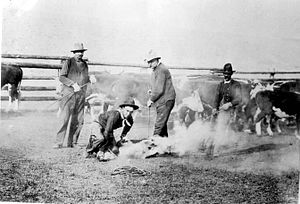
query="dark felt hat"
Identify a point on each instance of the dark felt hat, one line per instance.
(129, 102)
(227, 69)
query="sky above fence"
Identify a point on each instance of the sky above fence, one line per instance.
(253, 35)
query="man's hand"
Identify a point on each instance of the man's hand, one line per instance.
(93, 79)
(122, 139)
(76, 87)
(149, 103)
(226, 106)
(214, 111)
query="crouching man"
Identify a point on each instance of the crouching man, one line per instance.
(109, 121)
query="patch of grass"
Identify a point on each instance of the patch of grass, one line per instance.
(182, 184)
(22, 180)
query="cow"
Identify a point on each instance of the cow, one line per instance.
(190, 108)
(111, 90)
(12, 76)
(119, 87)
(277, 103)
(250, 108)
(288, 86)
(208, 90)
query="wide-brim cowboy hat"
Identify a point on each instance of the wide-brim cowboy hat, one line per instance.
(129, 102)
(78, 47)
(227, 69)
(151, 55)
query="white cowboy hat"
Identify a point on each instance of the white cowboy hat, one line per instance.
(151, 56)
(78, 47)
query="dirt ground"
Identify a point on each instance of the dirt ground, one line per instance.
(260, 170)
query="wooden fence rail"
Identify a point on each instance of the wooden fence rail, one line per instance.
(58, 66)
(21, 56)
(35, 88)
(33, 65)
(32, 98)
(113, 64)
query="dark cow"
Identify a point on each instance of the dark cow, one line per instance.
(279, 103)
(288, 86)
(12, 75)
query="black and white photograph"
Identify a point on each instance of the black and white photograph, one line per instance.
(150, 101)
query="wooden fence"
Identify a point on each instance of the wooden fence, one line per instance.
(60, 59)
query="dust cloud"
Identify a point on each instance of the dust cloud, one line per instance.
(198, 137)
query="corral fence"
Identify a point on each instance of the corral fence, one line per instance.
(55, 63)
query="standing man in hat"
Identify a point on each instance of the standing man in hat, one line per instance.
(108, 122)
(228, 96)
(162, 93)
(74, 78)
(228, 92)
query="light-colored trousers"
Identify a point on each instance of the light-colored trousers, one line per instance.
(71, 108)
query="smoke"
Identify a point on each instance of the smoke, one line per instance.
(198, 137)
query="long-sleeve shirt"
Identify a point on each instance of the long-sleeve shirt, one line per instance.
(228, 92)
(74, 72)
(112, 120)
(162, 89)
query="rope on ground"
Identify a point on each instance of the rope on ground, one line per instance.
(130, 170)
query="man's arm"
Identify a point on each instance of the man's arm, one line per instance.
(218, 97)
(63, 78)
(158, 86)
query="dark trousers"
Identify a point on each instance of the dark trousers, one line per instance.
(72, 108)
(101, 144)
(163, 113)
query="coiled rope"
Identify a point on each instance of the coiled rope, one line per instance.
(130, 170)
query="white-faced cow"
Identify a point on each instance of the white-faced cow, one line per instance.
(12, 76)
(250, 108)
(280, 103)
(190, 108)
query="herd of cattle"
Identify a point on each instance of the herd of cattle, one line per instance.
(262, 101)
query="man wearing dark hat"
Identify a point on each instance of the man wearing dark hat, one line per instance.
(228, 92)
(162, 93)
(227, 98)
(108, 122)
(74, 78)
